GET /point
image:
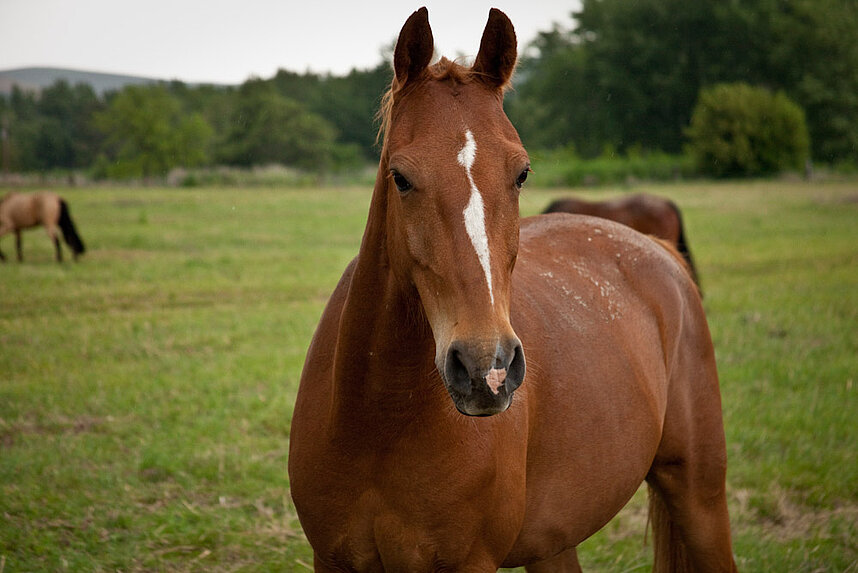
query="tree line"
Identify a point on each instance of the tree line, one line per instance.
(629, 74)
(307, 121)
(625, 77)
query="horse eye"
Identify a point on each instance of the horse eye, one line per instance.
(401, 182)
(522, 177)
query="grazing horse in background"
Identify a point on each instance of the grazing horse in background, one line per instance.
(643, 212)
(407, 449)
(19, 211)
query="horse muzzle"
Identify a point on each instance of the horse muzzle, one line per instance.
(481, 378)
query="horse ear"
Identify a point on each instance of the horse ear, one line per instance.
(414, 47)
(498, 50)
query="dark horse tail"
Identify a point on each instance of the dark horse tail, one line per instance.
(682, 247)
(70, 235)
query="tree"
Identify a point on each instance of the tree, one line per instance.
(348, 103)
(67, 137)
(814, 50)
(351, 102)
(266, 127)
(147, 133)
(21, 119)
(737, 129)
(629, 73)
(556, 101)
(652, 57)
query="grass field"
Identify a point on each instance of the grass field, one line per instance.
(146, 392)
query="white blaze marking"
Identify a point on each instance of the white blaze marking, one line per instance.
(475, 218)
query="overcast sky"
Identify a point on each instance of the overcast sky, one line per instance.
(229, 41)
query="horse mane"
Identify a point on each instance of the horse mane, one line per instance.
(444, 70)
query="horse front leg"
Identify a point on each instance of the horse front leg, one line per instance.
(18, 247)
(4, 230)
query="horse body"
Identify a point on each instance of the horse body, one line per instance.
(643, 212)
(19, 211)
(609, 377)
(407, 451)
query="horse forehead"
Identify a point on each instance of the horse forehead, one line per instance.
(440, 111)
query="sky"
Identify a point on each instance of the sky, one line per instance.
(229, 41)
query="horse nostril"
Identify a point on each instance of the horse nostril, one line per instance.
(516, 369)
(463, 369)
(456, 371)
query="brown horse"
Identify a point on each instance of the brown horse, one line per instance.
(643, 212)
(407, 451)
(19, 211)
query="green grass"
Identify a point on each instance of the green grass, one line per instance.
(146, 392)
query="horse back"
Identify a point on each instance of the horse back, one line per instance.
(649, 214)
(26, 210)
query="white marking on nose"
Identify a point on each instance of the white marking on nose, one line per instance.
(475, 218)
(495, 378)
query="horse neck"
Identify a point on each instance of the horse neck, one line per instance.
(385, 348)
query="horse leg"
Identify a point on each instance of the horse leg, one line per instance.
(58, 249)
(55, 237)
(566, 562)
(691, 530)
(5, 229)
(688, 498)
(18, 246)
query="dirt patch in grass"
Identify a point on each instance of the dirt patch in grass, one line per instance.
(783, 520)
(850, 199)
(777, 515)
(10, 431)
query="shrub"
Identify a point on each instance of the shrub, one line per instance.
(737, 129)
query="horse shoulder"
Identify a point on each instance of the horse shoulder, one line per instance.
(47, 204)
(11, 206)
(22, 210)
(6, 212)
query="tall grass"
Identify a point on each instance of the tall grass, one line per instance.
(563, 167)
(146, 392)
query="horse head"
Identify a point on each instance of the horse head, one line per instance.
(452, 167)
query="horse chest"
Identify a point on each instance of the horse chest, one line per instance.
(409, 513)
(378, 536)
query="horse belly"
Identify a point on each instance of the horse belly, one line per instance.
(23, 215)
(573, 493)
(586, 459)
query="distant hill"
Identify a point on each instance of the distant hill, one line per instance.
(36, 79)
